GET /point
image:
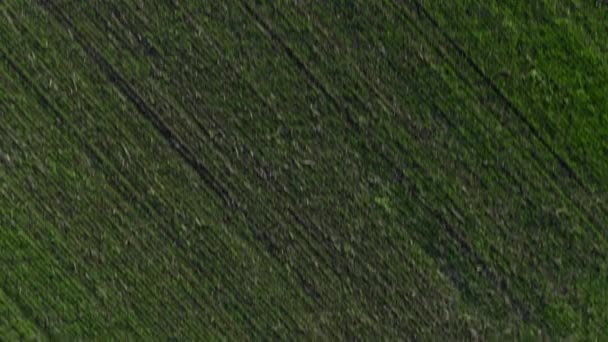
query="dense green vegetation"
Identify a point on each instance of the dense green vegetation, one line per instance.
(300, 169)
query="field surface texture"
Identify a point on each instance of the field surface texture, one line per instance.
(334, 170)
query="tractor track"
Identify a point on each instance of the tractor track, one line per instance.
(127, 194)
(172, 138)
(452, 230)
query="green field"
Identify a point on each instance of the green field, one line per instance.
(334, 170)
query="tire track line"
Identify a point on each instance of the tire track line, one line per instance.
(477, 259)
(584, 214)
(290, 210)
(174, 141)
(261, 236)
(470, 85)
(582, 211)
(154, 118)
(590, 218)
(199, 124)
(90, 151)
(37, 93)
(273, 36)
(84, 142)
(510, 104)
(527, 200)
(234, 203)
(276, 187)
(302, 221)
(93, 153)
(314, 81)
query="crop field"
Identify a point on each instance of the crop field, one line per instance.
(334, 170)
